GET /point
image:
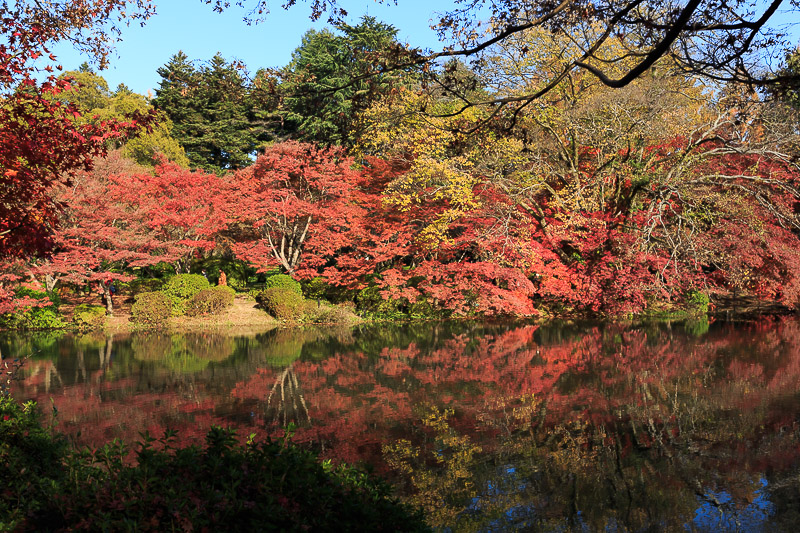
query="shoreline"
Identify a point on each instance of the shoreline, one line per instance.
(243, 316)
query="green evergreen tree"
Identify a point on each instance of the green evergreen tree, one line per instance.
(176, 93)
(212, 112)
(788, 89)
(333, 77)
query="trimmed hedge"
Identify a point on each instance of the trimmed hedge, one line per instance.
(88, 316)
(210, 301)
(151, 309)
(282, 280)
(281, 302)
(182, 288)
(222, 485)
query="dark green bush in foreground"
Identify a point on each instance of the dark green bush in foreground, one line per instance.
(210, 301)
(151, 309)
(281, 302)
(220, 486)
(31, 464)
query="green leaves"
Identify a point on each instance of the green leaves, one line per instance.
(212, 110)
(271, 485)
(334, 77)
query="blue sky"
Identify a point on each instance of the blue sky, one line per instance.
(193, 27)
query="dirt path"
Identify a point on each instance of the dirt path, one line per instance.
(242, 316)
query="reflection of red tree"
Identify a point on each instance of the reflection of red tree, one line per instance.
(616, 378)
(356, 402)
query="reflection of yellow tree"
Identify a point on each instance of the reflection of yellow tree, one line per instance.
(510, 414)
(441, 474)
(649, 462)
(632, 450)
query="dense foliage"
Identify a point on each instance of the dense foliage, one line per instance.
(210, 301)
(414, 199)
(40, 311)
(30, 463)
(281, 302)
(222, 484)
(151, 309)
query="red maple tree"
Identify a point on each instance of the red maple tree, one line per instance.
(296, 197)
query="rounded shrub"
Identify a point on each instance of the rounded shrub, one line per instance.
(284, 281)
(182, 288)
(210, 301)
(151, 309)
(86, 317)
(316, 288)
(319, 312)
(281, 302)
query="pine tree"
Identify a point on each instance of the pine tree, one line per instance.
(212, 112)
(334, 77)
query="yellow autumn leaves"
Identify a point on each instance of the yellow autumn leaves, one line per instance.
(532, 148)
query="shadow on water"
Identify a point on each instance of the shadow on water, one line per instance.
(579, 426)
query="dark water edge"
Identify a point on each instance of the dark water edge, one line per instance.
(566, 426)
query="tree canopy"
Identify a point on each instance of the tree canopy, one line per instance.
(212, 112)
(332, 78)
(577, 188)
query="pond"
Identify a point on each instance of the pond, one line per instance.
(488, 426)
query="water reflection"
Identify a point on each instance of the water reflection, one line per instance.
(487, 426)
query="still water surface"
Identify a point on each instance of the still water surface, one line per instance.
(489, 427)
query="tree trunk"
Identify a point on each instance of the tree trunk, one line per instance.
(50, 282)
(106, 291)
